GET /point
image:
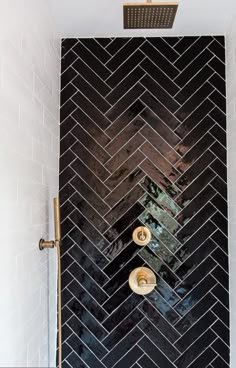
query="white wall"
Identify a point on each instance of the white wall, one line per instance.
(104, 18)
(29, 137)
(231, 125)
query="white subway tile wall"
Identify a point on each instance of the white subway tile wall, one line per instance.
(29, 137)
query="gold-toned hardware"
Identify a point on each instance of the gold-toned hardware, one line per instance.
(142, 280)
(57, 218)
(141, 235)
(149, 14)
(43, 244)
(51, 244)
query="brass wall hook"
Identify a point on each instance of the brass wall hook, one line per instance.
(142, 280)
(141, 235)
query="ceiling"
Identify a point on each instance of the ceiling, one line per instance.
(104, 18)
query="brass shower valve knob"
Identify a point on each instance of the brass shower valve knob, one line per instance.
(141, 236)
(142, 280)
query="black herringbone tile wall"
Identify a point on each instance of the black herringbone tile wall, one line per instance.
(143, 141)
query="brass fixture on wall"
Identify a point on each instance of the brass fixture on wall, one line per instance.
(142, 280)
(44, 244)
(139, 15)
(141, 235)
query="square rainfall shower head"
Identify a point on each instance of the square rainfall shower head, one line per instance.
(149, 15)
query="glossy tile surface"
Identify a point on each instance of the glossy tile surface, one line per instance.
(143, 142)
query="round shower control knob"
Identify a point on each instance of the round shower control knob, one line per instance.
(142, 280)
(141, 235)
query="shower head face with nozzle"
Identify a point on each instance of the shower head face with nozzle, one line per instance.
(149, 15)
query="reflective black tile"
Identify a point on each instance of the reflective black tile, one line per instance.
(79, 347)
(192, 52)
(80, 239)
(125, 204)
(159, 322)
(222, 348)
(121, 242)
(196, 169)
(196, 222)
(159, 161)
(88, 91)
(160, 110)
(206, 357)
(195, 277)
(159, 231)
(125, 118)
(75, 361)
(119, 226)
(221, 222)
(122, 275)
(159, 93)
(194, 84)
(68, 44)
(193, 189)
(88, 320)
(78, 255)
(163, 307)
(196, 349)
(199, 62)
(120, 313)
(95, 114)
(89, 230)
(195, 118)
(88, 283)
(89, 212)
(219, 117)
(218, 66)
(86, 337)
(159, 340)
(87, 175)
(123, 347)
(122, 329)
(122, 104)
(193, 102)
(195, 295)
(159, 178)
(125, 68)
(94, 140)
(91, 61)
(193, 154)
(195, 313)
(161, 45)
(197, 330)
(87, 192)
(222, 295)
(159, 76)
(167, 67)
(121, 259)
(154, 353)
(124, 53)
(91, 76)
(220, 239)
(117, 298)
(124, 136)
(154, 136)
(221, 312)
(130, 358)
(195, 205)
(222, 331)
(195, 259)
(93, 46)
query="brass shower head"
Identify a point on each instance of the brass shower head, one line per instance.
(149, 15)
